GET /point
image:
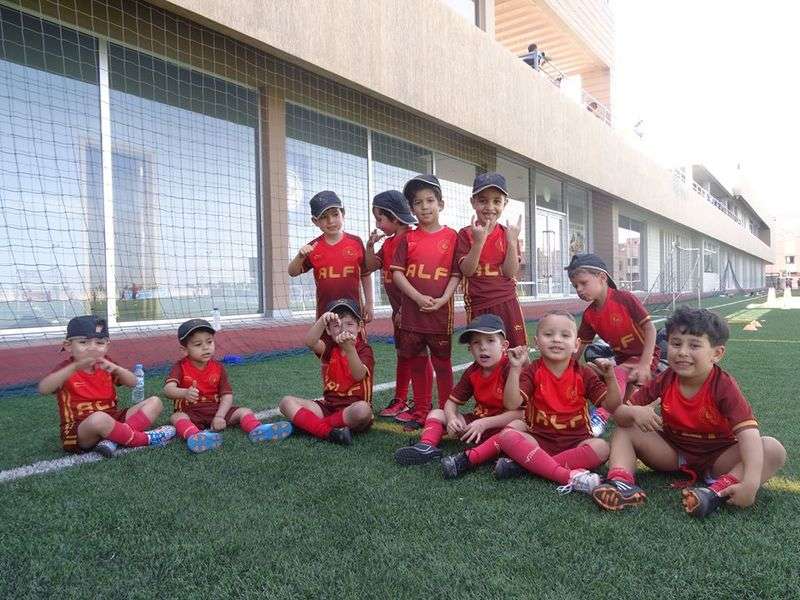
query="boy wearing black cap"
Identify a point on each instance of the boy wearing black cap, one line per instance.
(489, 258)
(484, 380)
(336, 257)
(87, 399)
(424, 269)
(347, 367)
(203, 398)
(393, 218)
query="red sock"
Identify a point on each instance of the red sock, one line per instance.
(336, 420)
(528, 454)
(484, 452)
(620, 474)
(186, 428)
(433, 431)
(123, 435)
(444, 378)
(311, 423)
(402, 378)
(722, 482)
(422, 382)
(138, 421)
(580, 457)
(249, 422)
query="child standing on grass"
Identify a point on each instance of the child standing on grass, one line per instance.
(87, 399)
(203, 397)
(706, 427)
(484, 380)
(347, 367)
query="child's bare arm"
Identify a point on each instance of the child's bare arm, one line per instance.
(346, 342)
(613, 399)
(175, 392)
(475, 430)
(644, 417)
(218, 422)
(369, 303)
(641, 373)
(409, 290)
(312, 339)
(751, 449)
(55, 380)
(517, 359)
(296, 264)
(455, 420)
(444, 298)
(122, 374)
(511, 261)
(469, 264)
(371, 260)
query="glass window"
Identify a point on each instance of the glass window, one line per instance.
(518, 179)
(456, 177)
(710, 256)
(630, 255)
(548, 193)
(465, 8)
(577, 199)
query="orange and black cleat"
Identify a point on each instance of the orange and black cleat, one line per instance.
(616, 495)
(700, 501)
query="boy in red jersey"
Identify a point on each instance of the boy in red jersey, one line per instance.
(347, 367)
(393, 218)
(484, 379)
(203, 397)
(424, 269)
(87, 399)
(558, 445)
(336, 257)
(706, 427)
(488, 257)
(620, 319)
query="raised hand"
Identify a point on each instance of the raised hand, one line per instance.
(192, 394)
(376, 235)
(518, 357)
(479, 232)
(604, 367)
(513, 231)
(307, 249)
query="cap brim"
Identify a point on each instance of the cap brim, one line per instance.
(611, 282)
(352, 309)
(465, 335)
(193, 329)
(407, 219)
(486, 187)
(326, 209)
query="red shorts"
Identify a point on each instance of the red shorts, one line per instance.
(411, 343)
(202, 413)
(511, 314)
(69, 431)
(692, 454)
(559, 442)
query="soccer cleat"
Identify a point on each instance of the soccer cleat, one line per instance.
(505, 468)
(204, 440)
(270, 432)
(405, 416)
(106, 448)
(341, 436)
(616, 495)
(413, 425)
(160, 436)
(700, 501)
(598, 422)
(395, 408)
(580, 480)
(418, 454)
(455, 465)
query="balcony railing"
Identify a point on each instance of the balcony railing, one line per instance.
(557, 77)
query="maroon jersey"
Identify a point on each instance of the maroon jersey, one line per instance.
(487, 389)
(620, 322)
(385, 256)
(428, 261)
(340, 388)
(212, 382)
(337, 269)
(488, 285)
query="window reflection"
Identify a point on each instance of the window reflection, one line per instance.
(630, 253)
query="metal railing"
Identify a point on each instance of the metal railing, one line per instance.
(679, 179)
(557, 77)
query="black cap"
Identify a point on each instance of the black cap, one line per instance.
(482, 324)
(88, 326)
(322, 201)
(487, 180)
(591, 262)
(394, 202)
(419, 182)
(349, 304)
(189, 327)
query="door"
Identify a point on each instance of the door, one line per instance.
(550, 253)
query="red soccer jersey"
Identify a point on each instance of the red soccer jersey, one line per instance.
(212, 381)
(385, 256)
(620, 323)
(557, 405)
(487, 389)
(428, 261)
(488, 285)
(340, 388)
(337, 269)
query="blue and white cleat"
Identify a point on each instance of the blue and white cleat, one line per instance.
(106, 448)
(204, 440)
(271, 432)
(160, 436)
(597, 422)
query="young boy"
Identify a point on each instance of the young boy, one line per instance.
(484, 379)
(203, 398)
(87, 399)
(706, 427)
(620, 319)
(424, 269)
(347, 367)
(488, 256)
(393, 218)
(336, 257)
(558, 445)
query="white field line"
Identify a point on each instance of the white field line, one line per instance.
(66, 462)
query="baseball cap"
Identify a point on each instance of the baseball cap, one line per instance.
(322, 201)
(348, 303)
(394, 202)
(482, 324)
(88, 326)
(591, 262)
(189, 327)
(418, 182)
(487, 180)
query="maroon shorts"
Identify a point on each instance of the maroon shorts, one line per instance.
(692, 455)
(511, 314)
(557, 443)
(411, 343)
(470, 417)
(202, 413)
(69, 431)
(334, 405)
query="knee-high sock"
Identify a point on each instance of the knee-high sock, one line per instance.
(186, 428)
(531, 457)
(336, 419)
(580, 457)
(402, 378)
(311, 423)
(422, 383)
(444, 378)
(124, 435)
(433, 431)
(248, 423)
(485, 451)
(138, 421)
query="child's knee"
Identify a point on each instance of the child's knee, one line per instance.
(98, 422)
(518, 425)
(774, 451)
(154, 402)
(360, 413)
(438, 414)
(177, 416)
(601, 448)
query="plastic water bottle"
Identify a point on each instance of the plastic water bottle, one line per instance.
(216, 320)
(137, 394)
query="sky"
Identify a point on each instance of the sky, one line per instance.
(716, 82)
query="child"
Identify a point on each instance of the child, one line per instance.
(347, 366)
(336, 257)
(424, 269)
(203, 398)
(620, 319)
(488, 256)
(87, 399)
(558, 444)
(393, 218)
(484, 379)
(706, 427)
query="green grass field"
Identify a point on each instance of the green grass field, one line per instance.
(306, 519)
